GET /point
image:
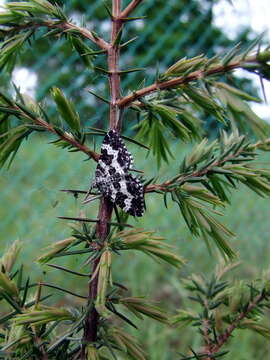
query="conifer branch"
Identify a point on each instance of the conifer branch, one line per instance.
(130, 8)
(217, 167)
(183, 178)
(221, 303)
(88, 35)
(23, 20)
(224, 337)
(166, 186)
(65, 27)
(105, 208)
(69, 139)
(261, 145)
(206, 337)
(25, 113)
(192, 76)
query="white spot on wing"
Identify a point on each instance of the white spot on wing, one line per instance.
(108, 164)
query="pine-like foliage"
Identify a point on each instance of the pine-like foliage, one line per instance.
(170, 109)
(222, 308)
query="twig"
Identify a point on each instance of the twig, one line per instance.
(65, 26)
(207, 339)
(184, 178)
(40, 344)
(91, 322)
(260, 144)
(181, 80)
(223, 338)
(70, 139)
(65, 136)
(88, 34)
(113, 61)
(106, 207)
(131, 7)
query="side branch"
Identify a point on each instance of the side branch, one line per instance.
(206, 337)
(223, 338)
(131, 7)
(68, 138)
(65, 26)
(172, 184)
(64, 136)
(181, 179)
(181, 80)
(88, 35)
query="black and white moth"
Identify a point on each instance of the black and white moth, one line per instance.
(112, 177)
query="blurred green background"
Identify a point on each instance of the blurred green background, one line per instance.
(31, 200)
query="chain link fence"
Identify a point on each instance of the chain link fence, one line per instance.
(30, 197)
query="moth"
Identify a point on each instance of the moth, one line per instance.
(113, 179)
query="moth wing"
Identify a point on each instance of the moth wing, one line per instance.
(112, 177)
(130, 196)
(114, 152)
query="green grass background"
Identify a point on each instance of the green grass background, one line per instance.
(31, 202)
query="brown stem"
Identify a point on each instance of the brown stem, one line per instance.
(70, 139)
(106, 207)
(210, 348)
(88, 34)
(207, 340)
(64, 136)
(183, 178)
(223, 338)
(261, 144)
(181, 80)
(91, 322)
(113, 61)
(38, 342)
(90, 326)
(65, 26)
(131, 6)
